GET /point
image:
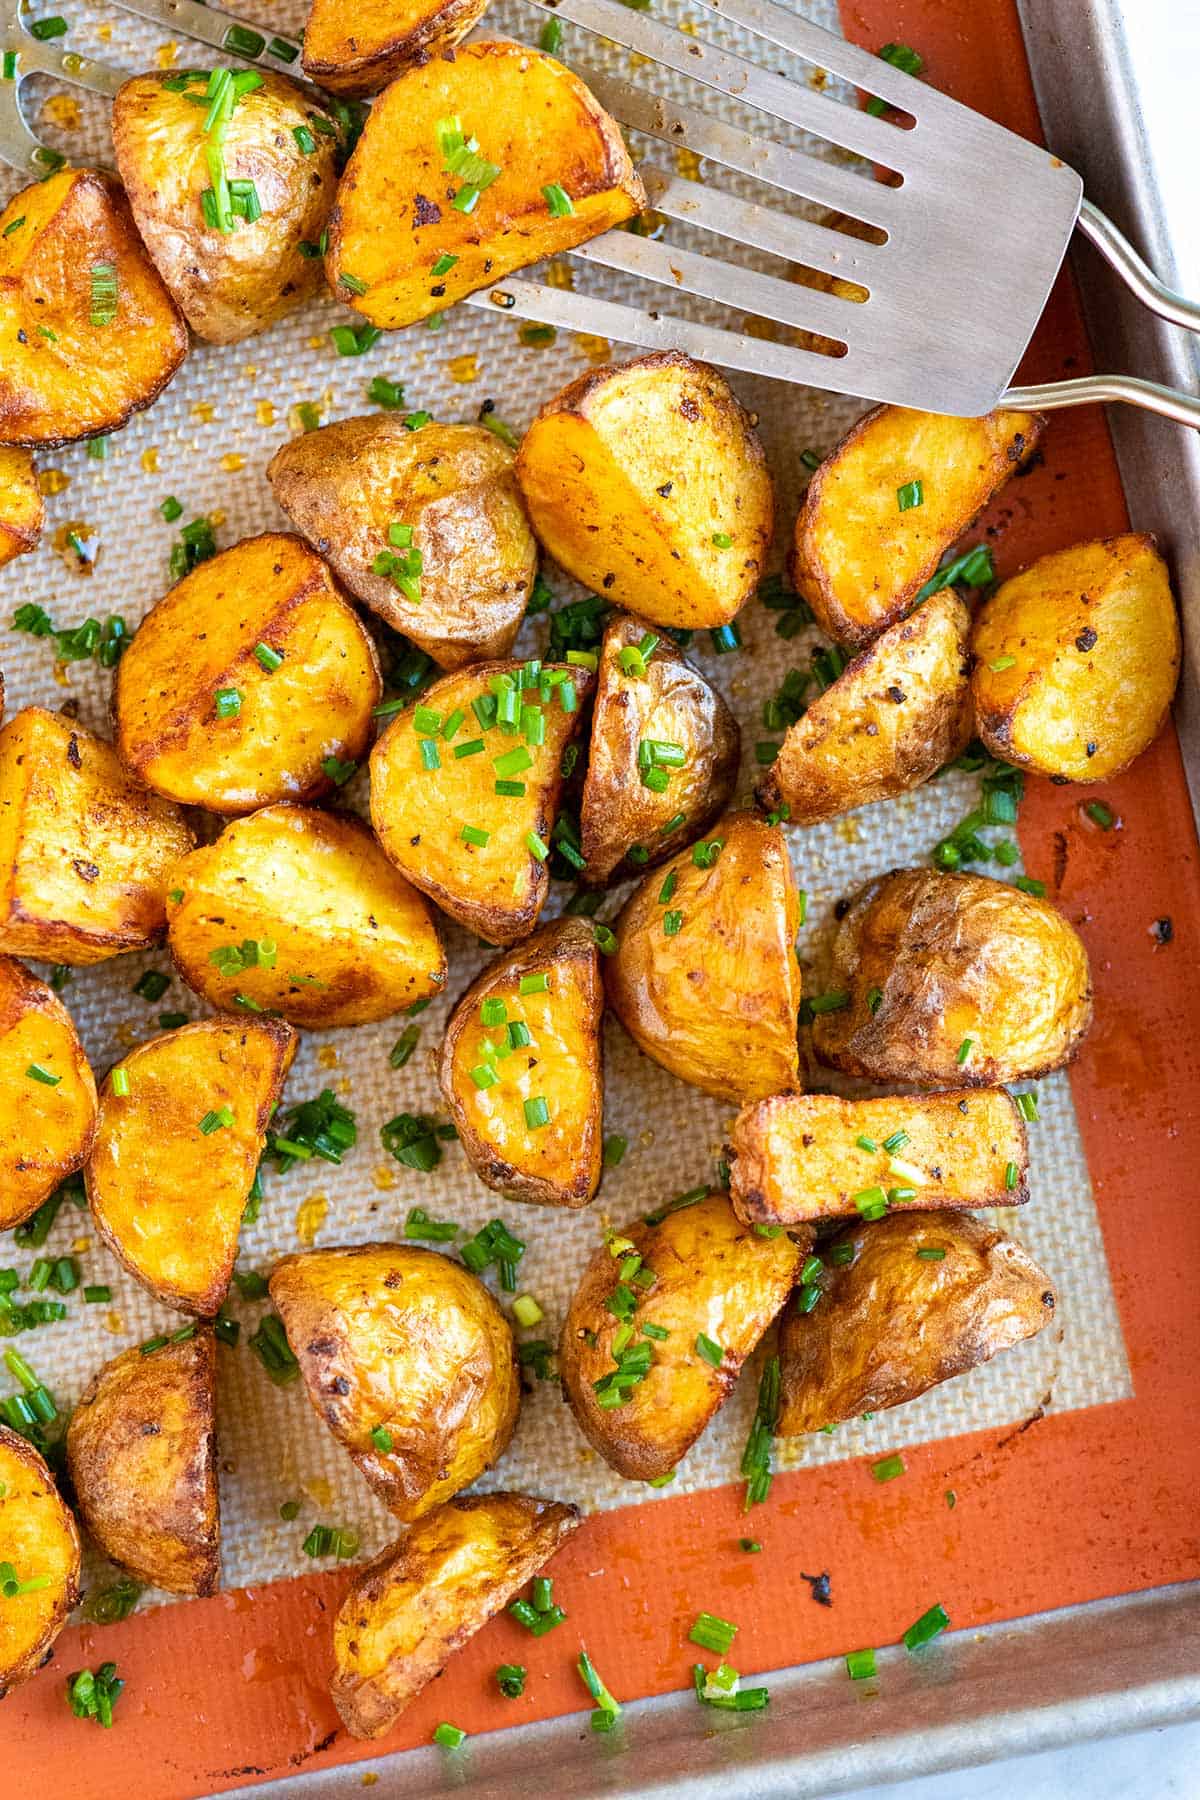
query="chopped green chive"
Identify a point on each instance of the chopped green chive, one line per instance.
(930, 1625)
(558, 201)
(1029, 885)
(35, 1072)
(352, 284)
(472, 834)
(227, 703)
(722, 540)
(888, 1468)
(1011, 1176)
(710, 1352)
(534, 984)
(860, 1664)
(713, 1634)
(267, 658)
(871, 1202)
(964, 1050)
(537, 1113)
(381, 1437)
(220, 1120)
(1027, 1105)
(931, 1253)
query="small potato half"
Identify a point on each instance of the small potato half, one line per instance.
(47, 1094)
(141, 1450)
(39, 1537)
(360, 51)
(718, 1283)
(422, 1598)
(647, 482)
(395, 1338)
(22, 513)
(891, 1324)
(1077, 658)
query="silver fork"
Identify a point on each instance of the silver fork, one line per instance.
(942, 328)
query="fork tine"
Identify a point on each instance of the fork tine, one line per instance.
(746, 222)
(219, 30)
(81, 71)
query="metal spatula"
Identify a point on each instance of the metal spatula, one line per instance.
(942, 327)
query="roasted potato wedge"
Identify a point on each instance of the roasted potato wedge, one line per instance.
(360, 52)
(262, 631)
(22, 514)
(183, 1120)
(39, 1537)
(141, 1450)
(395, 1337)
(456, 487)
(90, 333)
(859, 560)
(433, 795)
(931, 962)
(352, 941)
(654, 698)
(892, 718)
(84, 848)
(422, 1598)
(47, 1094)
(890, 1324)
(718, 1282)
(394, 227)
(647, 482)
(493, 1087)
(1076, 659)
(715, 1000)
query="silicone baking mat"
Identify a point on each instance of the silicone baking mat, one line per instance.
(234, 1688)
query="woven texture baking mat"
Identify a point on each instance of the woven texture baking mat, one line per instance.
(207, 441)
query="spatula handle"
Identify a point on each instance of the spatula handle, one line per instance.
(1137, 275)
(1086, 390)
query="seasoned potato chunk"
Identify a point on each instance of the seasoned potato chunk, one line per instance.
(401, 1346)
(704, 978)
(349, 940)
(892, 1323)
(455, 488)
(250, 682)
(183, 1121)
(84, 848)
(141, 1450)
(647, 482)
(39, 1537)
(718, 1285)
(1076, 659)
(21, 511)
(90, 333)
(882, 510)
(520, 1068)
(892, 718)
(359, 52)
(422, 1598)
(953, 981)
(648, 694)
(47, 1094)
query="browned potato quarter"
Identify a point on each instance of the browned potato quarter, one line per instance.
(892, 1323)
(39, 1537)
(141, 1450)
(47, 1094)
(399, 1343)
(647, 482)
(359, 52)
(21, 511)
(423, 1597)
(1076, 659)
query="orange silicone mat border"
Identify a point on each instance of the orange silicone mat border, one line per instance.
(1067, 1508)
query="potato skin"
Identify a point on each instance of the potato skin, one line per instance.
(955, 957)
(319, 887)
(672, 703)
(45, 1132)
(456, 486)
(22, 513)
(84, 847)
(715, 1276)
(715, 1004)
(889, 1326)
(141, 1450)
(360, 52)
(631, 472)
(422, 1598)
(38, 1536)
(1077, 658)
(398, 1336)
(892, 719)
(558, 1164)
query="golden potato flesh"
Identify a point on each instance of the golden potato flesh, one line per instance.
(248, 683)
(88, 333)
(718, 1285)
(653, 697)
(1076, 659)
(704, 977)
(513, 1058)
(84, 848)
(865, 543)
(47, 1094)
(349, 940)
(394, 226)
(39, 1538)
(455, 487)
(953, 981)
(183, 1121)
(21, 511)
(647, 482)
(478, 852)
(893, 718)
(422, 1598)
(360, 51)
(892, 1323)
(394, 1339)
(141, 1450)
